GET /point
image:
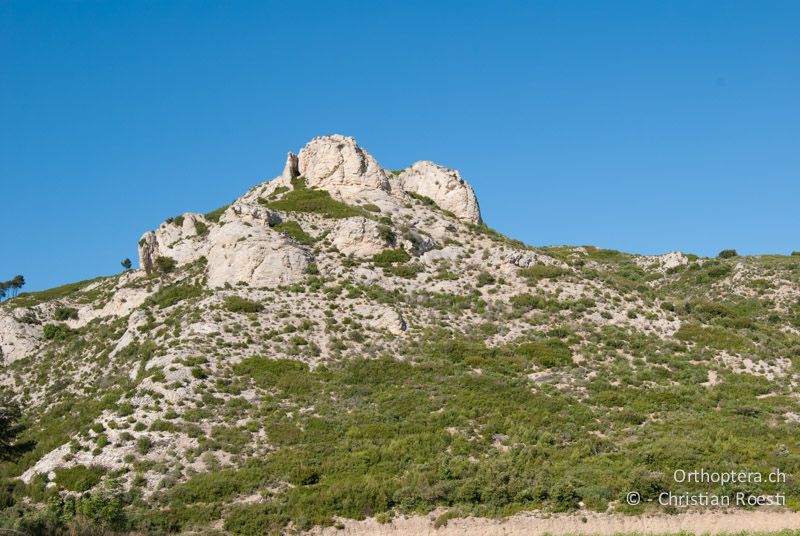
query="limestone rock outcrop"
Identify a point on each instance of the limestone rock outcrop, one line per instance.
(337, 164)
(444, 186)
(181, 239)
(258, 256)
(17, 339)
(359, 236)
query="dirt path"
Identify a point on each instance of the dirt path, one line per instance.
(599, 524)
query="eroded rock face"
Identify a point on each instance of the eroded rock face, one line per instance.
(337, 164)
(183, 240)
(358, 236)
(445, 186)
(254, 255)
(17, 339)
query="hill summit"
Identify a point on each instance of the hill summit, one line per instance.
(344, 188)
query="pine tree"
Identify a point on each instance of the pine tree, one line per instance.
(17, 283)
(10, 429)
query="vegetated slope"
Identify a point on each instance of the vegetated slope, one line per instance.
(349, 342)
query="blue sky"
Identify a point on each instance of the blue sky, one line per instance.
(641, 126)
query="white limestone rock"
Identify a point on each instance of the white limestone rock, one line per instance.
(179, 242)
(663, 262)
(337, 164)
(445, 186)
(527, 258)
(255, 255)
(447, 253)
(18, 339)
(360, 237)
(382, 318)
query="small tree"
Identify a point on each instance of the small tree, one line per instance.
(10, 448)
(727, 254)
(126, 264)
(14, 285)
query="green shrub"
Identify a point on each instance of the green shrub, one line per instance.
(79, 478)
(170, 295)
(541, 271)
(165, 265)
(390, 256)
(386, 234)
(550, 353)
(485, 278)
(143, 445)
(424, 199)
(408, 271)
(293, 229)
(371, 208)
(237, 304)
(200, 228)
(727, 254)
(57, 332)
(303, 199)
(712, 337)
(214, 215)
(65, 313)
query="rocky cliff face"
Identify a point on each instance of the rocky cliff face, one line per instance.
(341, 314)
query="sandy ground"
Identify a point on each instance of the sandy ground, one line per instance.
(599, 524)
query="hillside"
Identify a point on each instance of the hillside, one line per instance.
(347, 342)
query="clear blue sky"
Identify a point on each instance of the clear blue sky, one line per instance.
(642, 126)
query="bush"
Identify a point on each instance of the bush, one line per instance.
(386, 234)
(541, 271)
(549, 354)
(214, 215)
(79, 478)
(169, 296)
(57, 332)
(485, 278)
(293, 229)
(143, 445)
(390, 256)
(302, 199)
(200, 228)
(237, 304)
(727, 254)
(165, 265)
(795, 253)
(65, 313)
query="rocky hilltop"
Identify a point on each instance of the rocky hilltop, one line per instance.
(346, 341)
